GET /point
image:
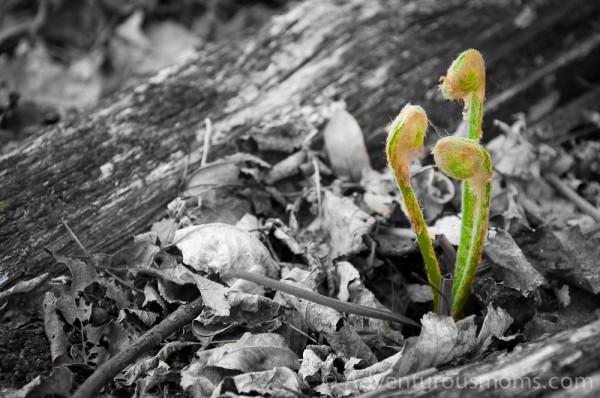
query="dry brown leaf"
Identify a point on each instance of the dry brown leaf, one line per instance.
(222, 248)
(345, 145)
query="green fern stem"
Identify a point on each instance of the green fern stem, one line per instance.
(404, 144)
(474, 241)
(468, 197)
(465, 159)
(419, 227)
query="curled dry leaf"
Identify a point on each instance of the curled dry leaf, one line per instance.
(339, 334)
(314, 367)
(495, 324)
(345, 223)
(514, 268)
(345, 145)
(443, 340)
(251, 353)
(512, 155)
(221, 248)
(270, 382)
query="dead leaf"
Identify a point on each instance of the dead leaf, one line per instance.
(362, 380)
(82, 274)
(347, 274)
(223, 173)
(251, 353)
(38, 76)
(521, 308)
(381, 192)
(566, 254)
(213, 294)
(449, 226)
(165, 230)
(153, 367)
(161, 45)
(514, 268)
(220, 248)
(54, 327)
(495, 324)
(279, 380)
(248, 310)
(345, 145)
(58, 383)
(419, 293)
(441, 340)
(512, 155)
(339, 334)
(352, 289)
(345, 223)
(314, 367)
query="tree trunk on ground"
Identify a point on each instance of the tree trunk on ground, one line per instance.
(564, 365)
(110, 173)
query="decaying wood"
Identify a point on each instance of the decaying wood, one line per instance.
(111, 172)
(566, 364)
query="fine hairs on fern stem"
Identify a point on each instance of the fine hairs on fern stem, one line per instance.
(465, 159)
(404, 144)
(465, 80)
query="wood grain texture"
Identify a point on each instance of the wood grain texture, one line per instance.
(110, 172)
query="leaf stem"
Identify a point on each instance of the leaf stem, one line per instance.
(423, 239)
(462, 283)
(405, 143)
(465, 159)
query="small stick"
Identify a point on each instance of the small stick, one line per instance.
(153, 337)
(317, 178)
(337, 305)
(75, 238)
(207, 136)
(566, 190)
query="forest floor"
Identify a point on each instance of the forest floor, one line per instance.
(314, 217)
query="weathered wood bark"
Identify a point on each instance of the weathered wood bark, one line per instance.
(564, 365)
(111, 172)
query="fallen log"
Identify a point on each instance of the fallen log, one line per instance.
(110, 172)
(564, 365)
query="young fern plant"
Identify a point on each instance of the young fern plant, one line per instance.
(404, 144)
(465, 80)
(465, 159)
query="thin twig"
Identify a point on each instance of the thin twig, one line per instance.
(300, 331)
(152, 338)
(207, 135)
(75, 238)
(567, 191)
(337, 305)
(317, 178)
